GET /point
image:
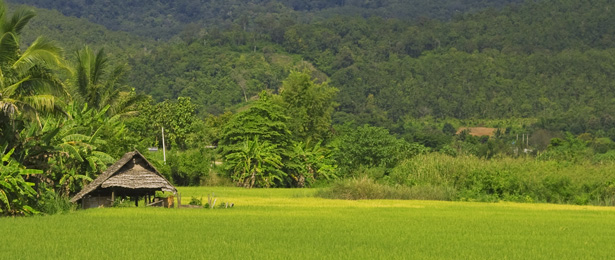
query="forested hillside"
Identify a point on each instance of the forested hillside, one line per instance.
(540, 59)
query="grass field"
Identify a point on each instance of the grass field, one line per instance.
(291, 224)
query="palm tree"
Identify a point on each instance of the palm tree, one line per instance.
(28, 84)
(99, 85)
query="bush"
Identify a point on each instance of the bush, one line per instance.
(196, 201)
(163, 194)
(184, 168)
(189, 167)
(369, 146)
(123, 203)
(51, 203)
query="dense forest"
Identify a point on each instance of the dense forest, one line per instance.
(300, 93)
(540, 59)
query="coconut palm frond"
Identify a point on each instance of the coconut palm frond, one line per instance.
(9, 47)
(19, 20)
(41, 52)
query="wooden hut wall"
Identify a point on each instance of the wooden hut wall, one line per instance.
(97, 201)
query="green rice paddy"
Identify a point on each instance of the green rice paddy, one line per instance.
(292, 224)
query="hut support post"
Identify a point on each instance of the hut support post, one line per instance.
(136, 201)
(112, 197)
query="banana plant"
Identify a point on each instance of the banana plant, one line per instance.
(70, 149)
(16, 194)
(309, 163)
(255, 164)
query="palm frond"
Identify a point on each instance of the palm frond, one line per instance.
(82, 74)
(2, 14)
(40, 102)
(19, 20)
(98, 67)
(41, 52)
(9, 48)
(43, 80)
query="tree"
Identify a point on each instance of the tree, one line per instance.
(255, 164)
(98, 84)
(178, 119)
(263, 119)
(256, 143)
(310, 163)
(368, 146)
(28, 83)
(70, 149)
(309, 106)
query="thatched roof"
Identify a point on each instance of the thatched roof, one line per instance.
(132, 171)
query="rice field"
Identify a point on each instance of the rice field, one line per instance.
(292, 224)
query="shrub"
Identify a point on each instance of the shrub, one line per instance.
(50, 202)
(123, 202)
(370, 146)
(163, 194)
(196, 201)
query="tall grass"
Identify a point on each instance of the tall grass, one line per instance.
(49, 203)
(474, 179)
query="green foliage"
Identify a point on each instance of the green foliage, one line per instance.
(509, 179)
(71, 150)
(99, 85)
(182, 128)
(257, 144)
(190, 167)
(196, 201)
(50, 202)
(17, 197)
(570, 149)
(370, 147)
(310, 163)
(29, 85)
(308, 105)
(256, 164)
(263, 119)
(123, 203)
(163, 194)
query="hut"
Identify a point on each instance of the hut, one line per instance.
(132, 176)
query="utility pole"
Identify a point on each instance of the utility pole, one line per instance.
(164, 150)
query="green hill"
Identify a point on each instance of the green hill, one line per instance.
(549, 59)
